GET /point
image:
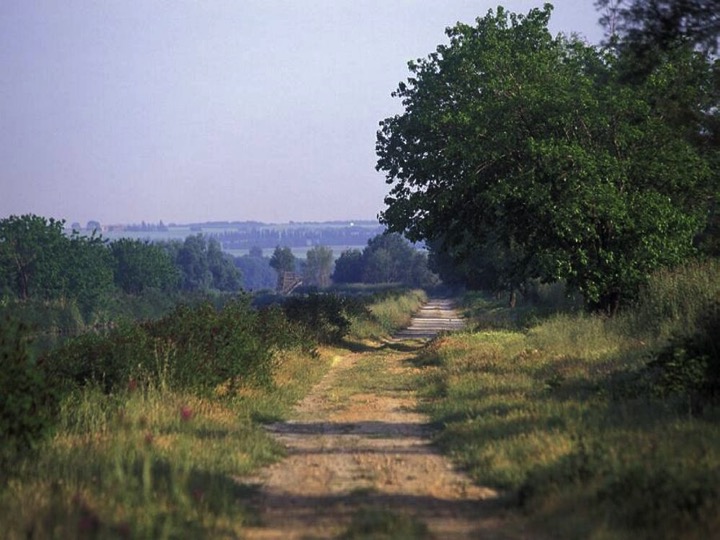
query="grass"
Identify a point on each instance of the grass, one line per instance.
(388, 315)
(151, 463)
(555, 412)
(381, 524)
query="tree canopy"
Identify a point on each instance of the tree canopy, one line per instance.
(37, 260)
(532, 150)
(387, 258)
(661, 24)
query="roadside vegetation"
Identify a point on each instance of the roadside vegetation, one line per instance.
(596, 427)
(140, 429)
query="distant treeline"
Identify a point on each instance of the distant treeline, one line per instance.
(41, 261)
(248, 234)
(264, 237)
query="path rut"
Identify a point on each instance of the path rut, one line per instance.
(369, 449)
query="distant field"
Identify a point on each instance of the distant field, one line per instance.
(299, 252)
(237, 237)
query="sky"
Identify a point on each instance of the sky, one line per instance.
(123, 111)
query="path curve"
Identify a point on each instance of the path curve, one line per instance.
(369, 449)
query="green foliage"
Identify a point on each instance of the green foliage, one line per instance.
(569, 414)
(387, 258)
(689, 366)
(37, 260)
(205, 347)
(648, 27)
(349, 267)
(674, 300)
(256, 271)
(534, 152)
(150, 463)
(225, 275)
(108, 361)
(198, 348)
(386, 312)
(318, 266)
(27, 404)
(323, 317)
(282, 260)
(139, 266)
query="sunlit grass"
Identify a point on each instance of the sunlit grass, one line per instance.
(388, 315)
(551, 415)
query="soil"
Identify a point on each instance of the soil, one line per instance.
(354, 447)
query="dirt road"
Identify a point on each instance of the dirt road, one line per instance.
(358, 451)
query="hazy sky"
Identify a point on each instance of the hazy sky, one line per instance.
(195, 110)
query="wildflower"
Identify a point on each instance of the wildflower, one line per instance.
(185, 413)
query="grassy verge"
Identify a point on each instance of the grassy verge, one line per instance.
(561, 413)
(150, 463)
(389, 313)
(148, 457)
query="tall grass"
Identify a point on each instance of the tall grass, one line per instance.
(150, 462)
(560, 414)
(390, 312)
(146, 457)
(672, 300)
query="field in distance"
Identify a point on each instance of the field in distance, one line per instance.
(238, 237)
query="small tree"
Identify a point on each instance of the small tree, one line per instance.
(282, 260)
(319, 266)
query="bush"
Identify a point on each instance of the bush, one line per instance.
(27, 405)
(196, 348)
(207, 347)
(323, 317)
(107, 360)
(690, 365)
(665, 501)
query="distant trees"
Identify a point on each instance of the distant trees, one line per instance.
(140, 265)
(349, 267)
(256, 270)
(203, 265)
(38, 260)
(282, 260)
(318, 266)
(388, 258)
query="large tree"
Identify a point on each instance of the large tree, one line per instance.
(529, 144)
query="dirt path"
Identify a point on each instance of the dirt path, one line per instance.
(357, 450)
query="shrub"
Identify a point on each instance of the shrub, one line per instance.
(107, 360)
(323, 317)
(27, 405)
(689, 365)
(197, 348)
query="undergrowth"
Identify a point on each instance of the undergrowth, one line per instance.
(153, 423)
(597, 427)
